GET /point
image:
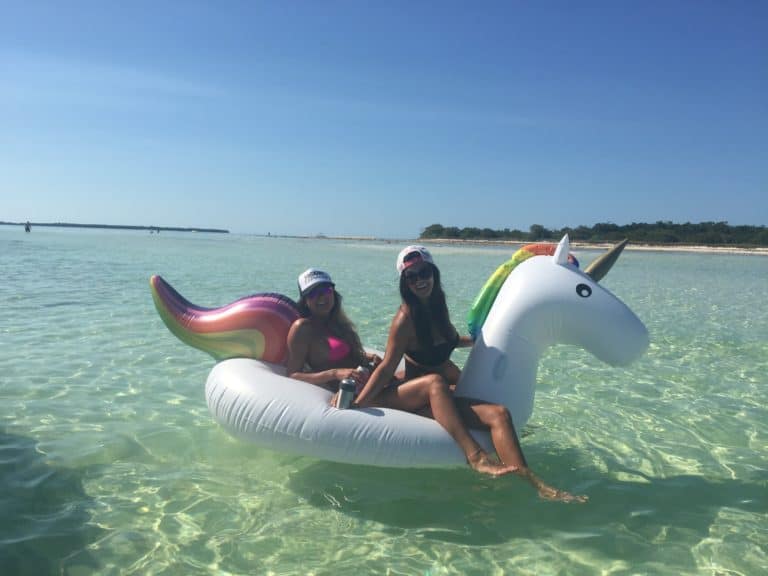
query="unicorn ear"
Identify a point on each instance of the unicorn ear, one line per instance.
(561, 254)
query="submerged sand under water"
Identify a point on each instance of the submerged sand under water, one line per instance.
(111, 464)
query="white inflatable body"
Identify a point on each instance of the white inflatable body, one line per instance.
(253, 400)
(545, 300)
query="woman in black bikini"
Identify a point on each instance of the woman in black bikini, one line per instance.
(422, 332)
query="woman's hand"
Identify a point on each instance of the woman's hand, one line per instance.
(373, 361)
(465, 342)
(344, 373)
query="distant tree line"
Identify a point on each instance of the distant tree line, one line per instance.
(152, 229)
(703, 233)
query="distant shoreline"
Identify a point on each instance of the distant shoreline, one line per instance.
(115, 227)
(640, 247)
(750, 250)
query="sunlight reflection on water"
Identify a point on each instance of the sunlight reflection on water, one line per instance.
(112, 464)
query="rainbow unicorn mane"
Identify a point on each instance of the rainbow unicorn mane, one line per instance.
(478, 312)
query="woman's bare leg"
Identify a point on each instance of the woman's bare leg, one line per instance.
(431, 390)
(451, 373)
(497, 418)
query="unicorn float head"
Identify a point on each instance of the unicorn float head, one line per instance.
(540, 298)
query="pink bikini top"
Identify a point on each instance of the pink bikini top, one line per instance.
(337, 349)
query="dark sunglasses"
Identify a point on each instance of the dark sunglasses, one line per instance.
(319, 290)
(423, 274)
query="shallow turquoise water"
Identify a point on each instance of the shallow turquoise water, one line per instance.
(111, 464)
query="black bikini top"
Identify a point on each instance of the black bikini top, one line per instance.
(434, 356)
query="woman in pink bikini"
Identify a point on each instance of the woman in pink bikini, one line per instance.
(323, 346)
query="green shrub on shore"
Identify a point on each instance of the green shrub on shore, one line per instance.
(664, 233)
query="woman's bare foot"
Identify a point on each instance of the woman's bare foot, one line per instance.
(480, 462)
(549, 493)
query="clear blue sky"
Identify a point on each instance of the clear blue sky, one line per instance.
(381, 118)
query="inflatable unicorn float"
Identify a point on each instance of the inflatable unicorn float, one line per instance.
(537, 299)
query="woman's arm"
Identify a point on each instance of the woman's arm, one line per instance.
(463, 341)
(383, 373)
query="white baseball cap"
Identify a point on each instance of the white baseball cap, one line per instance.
(311, 277)
(411, 255)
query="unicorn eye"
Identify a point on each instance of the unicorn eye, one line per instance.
(583, 290)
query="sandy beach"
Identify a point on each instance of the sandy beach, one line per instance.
(751, 250)
(754, 251)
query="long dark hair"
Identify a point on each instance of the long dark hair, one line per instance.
(339, 324)
(434, 312)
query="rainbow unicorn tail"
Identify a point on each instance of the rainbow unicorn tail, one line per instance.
(255, 326)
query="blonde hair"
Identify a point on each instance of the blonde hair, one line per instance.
(339, 325)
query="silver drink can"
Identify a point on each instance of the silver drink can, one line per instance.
(346, 393)
(364, 370)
